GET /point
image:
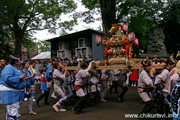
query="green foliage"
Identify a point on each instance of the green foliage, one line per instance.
(44, 46)
(171, 25)
(141, 15)
(26, 16)
(5, 47)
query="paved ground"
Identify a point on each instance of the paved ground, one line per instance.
(112, 110)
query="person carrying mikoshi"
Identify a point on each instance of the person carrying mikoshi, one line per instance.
(145, 86)
(105, 84)
(58, 78)
(94, 80)
(122, 83)
(163, 79)
(82, 80)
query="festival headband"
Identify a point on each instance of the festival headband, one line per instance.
(144, 62)
(173, 60)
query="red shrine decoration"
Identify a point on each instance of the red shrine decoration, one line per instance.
(98, 39)
(64, 54)
(125, 27)
(123, 51)
(109, 51)
(131, 37)
(136, 42)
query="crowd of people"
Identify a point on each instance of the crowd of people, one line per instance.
(19, 78)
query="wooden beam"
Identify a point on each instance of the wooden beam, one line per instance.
(112, 67)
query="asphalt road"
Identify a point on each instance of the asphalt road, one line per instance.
(111, 110)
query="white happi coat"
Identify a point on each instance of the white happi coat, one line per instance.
(58, 78)
(174, 79)
(80, 82)
(94, 80)
(115, 74)
(144, 83)
(164, 76)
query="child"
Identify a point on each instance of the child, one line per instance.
(45, 90)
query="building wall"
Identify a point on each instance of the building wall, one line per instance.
(97, 50)
(54, 48)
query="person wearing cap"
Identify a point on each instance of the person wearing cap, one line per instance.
(145, 87)
(12, 86)
(175, 93)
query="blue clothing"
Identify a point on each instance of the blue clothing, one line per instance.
(49, 75)
(153, 79)
(175, 101)
(29, 82)
(44, 86)
(14, 86)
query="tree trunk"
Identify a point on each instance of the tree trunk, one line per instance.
(18, 41)
(108, 13)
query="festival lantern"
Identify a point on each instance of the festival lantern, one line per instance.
(98, 39)
(136, 42)
(109, 51)
(64, 54)
(131, 37)
(123, 51)
(125, 27)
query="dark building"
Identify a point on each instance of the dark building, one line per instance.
(82, 43)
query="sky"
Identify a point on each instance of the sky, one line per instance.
(45, 35)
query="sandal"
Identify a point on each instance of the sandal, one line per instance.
(62, 110)
(55, 108)
(103, 100)
(32, 113)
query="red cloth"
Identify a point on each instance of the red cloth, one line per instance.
(43, 79)
(77, 87)
(134, 76)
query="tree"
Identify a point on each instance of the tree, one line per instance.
(44, 46)
(5, 47)
(26, 16)
(119, 11)
(171, 25)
